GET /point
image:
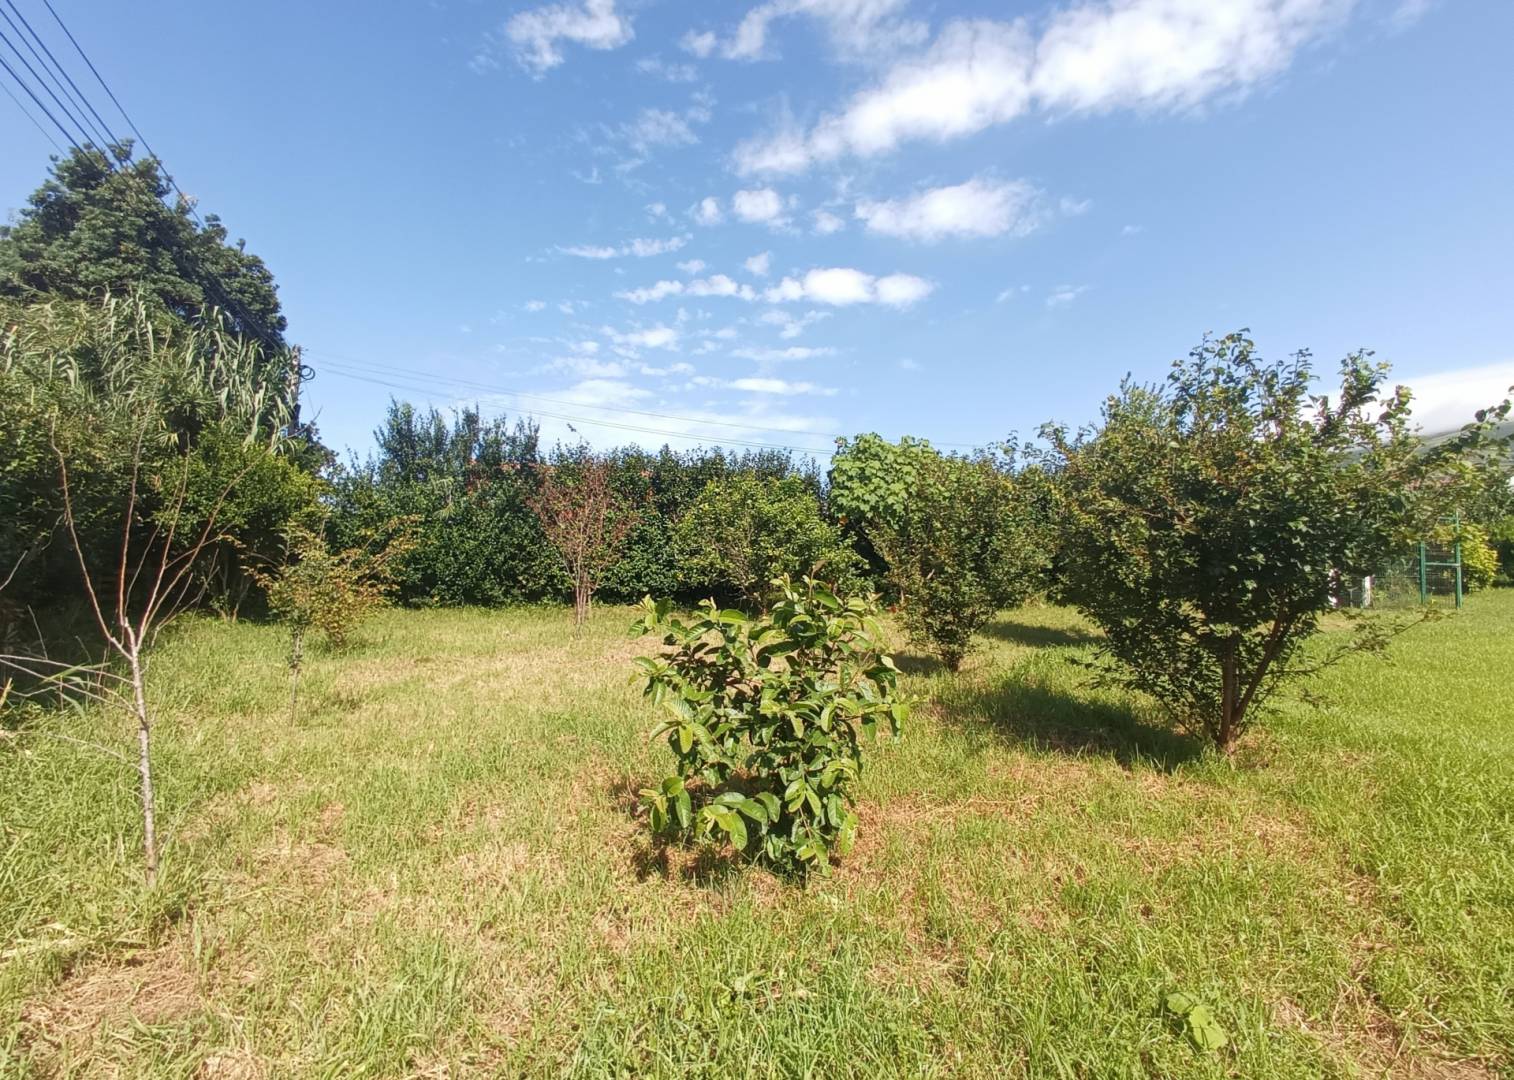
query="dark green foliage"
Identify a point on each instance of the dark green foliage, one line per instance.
(1203, 522)
(966, 543)
(465, 484)
(765, 720)
(468, 484)
(90, 382)
(745, 530)
(1501, 537)
(92, 230)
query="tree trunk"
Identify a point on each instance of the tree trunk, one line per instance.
(296, 661)
(580, 604)
(1229, 727)
(144, 768)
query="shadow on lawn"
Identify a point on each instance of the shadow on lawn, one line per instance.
(1028, 712)
(1036, 636)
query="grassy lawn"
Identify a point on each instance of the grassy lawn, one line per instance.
(437, 870)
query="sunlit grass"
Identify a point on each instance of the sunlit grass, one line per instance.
(437, 870)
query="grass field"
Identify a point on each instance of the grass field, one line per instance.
(437, 870)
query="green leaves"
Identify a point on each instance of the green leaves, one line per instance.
(1197, 1020)
(1207, 523)
(764, 715)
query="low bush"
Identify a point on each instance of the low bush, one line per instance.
(766, 719)
(745, 530)
(965, 545)
(1479, 559)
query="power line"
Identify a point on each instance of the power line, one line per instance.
(77, 96)
(224, 299)
(35, 122)
(67, 135)
(664, 433)
(66, 110)
(361, 366)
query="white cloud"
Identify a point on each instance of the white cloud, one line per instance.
(700, 44)
(975, 74)
(827, 223)
(759, 206)
(707, 211)
(1065, 294)
(793, 352)
(1446, 400)
(976, 208)
(720, 285)
(788, 325)
(656, 337)
(600, 392)
(758, 264)
(672, 72)
(780, 386)
(858, 28)
(902, 290)
(1132, 230)
(1074, 207)
(693, 266)
(658, 211)
(1010, 293)
(1408, 13)
(843, 286)
(1170, 54)
(640, 248)
(651, 292)
(534, 305)
(587, 367)
(1093, 57)
(536, 34)
(657, 127)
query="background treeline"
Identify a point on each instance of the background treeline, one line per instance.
(142, 351)
(462, 485)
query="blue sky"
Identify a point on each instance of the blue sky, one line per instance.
(770, 222)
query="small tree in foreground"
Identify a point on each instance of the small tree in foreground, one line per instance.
(765, 720)
(586, 520)
(964, 545)
(330, 592)
(1201, 522)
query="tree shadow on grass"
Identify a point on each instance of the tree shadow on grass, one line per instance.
(1030, 713)
(1037, 636)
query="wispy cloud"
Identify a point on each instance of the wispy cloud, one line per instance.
(1063, 295)
(639, 248)
(1093, 57)
(979, 207)
(843, 286)
(537, 35)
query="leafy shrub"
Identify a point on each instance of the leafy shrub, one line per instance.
(1200, 523)
(962, 546)
(765, 718)
(331, 591)
(1501, 538)
(1479, 559)
(745, 531)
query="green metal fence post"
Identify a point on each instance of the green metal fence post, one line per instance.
(1456, 551)
(1424, 584)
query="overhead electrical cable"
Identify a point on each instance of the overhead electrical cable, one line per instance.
(68, 135)
(103, 131)
(594, 421)
(26, 113)
(410, 373)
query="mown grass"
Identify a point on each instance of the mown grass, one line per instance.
(437, 870)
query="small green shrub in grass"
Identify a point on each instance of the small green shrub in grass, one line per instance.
(766, 719)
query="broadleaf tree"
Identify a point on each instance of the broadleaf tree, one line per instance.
(1205, 522)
